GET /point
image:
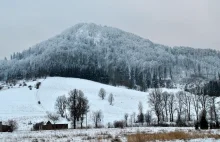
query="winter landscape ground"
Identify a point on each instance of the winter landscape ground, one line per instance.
(21, 104)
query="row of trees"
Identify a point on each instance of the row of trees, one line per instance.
(182, 106)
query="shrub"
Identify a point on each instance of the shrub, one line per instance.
(37, 86)
(196, 125)
(24, 84)
(1, 87)
(13, 124)
(30, 87)
(119, 124)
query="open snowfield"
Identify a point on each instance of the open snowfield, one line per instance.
(92, 135)
(21, 104)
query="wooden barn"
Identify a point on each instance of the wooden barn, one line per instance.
(5, 128)
(50, 126)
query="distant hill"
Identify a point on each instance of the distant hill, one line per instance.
(112, 56)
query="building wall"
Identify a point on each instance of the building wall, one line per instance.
(4, 128)
(0, 126)
(55, 126)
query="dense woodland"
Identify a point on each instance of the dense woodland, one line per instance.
(112, 56)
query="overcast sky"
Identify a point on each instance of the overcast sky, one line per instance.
(194, 23)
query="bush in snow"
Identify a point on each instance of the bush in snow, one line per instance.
(1, 87)
(24, 84)
(30, 87)
(37, 86)
(13, 124)
(119, 124)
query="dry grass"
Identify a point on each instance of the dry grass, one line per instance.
(140, 137)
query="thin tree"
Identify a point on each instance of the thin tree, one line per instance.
(187, 100)
(196, 105)
(166, 97)
(97, 117)
(155, 101)
(180, 105)
(53, 117)
(102, 93)
(148, 117)
(171, 106)
(82, 106)
(60, 105)
(126, 119)
(141, 115)
(72, 103)
(111, 99)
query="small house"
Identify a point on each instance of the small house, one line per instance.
(50, 126)
(5, 128)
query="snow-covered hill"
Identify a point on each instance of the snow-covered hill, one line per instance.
(111, 56)
(21, 104)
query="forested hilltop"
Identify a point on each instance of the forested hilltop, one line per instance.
(112, 56)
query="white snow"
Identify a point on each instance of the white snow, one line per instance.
(22, 104)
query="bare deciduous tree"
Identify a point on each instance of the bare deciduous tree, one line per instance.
(53, 117)
(97, 117)
(155, 101)
(187, 100)
(126, 119)
(203, 98)
(102, 93)
(180, 105)
(148, 117)
(82, 106)
(166, 97)
(212, 109)
(111, 99)
(171, 106)
(60, 105)
(141, 115)
(140, 107)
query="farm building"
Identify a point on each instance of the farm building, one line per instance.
(5, 128)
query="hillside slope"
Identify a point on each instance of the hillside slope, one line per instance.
(21, 104)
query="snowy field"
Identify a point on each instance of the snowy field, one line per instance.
(92, 135)
(21, 104)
